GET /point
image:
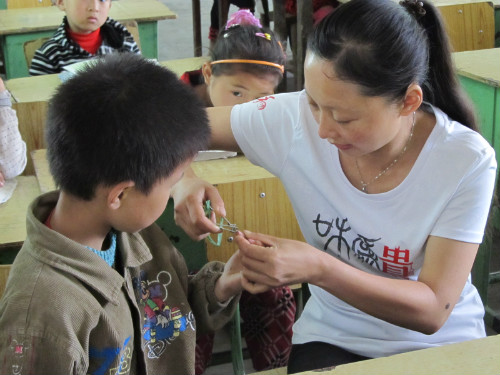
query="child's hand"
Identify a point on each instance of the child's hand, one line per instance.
(2, 179)
(229, 284)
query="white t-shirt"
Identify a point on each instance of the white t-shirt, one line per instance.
(447, 194)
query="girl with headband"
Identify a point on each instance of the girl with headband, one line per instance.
(246, 63)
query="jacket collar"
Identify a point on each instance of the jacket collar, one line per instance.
(60, 252)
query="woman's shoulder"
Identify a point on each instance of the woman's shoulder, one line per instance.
(458, 142)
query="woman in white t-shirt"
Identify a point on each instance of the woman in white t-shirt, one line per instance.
(389, 180)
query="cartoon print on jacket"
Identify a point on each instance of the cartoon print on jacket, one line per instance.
(162, 323)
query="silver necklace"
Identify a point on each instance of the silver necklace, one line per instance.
(384, 171)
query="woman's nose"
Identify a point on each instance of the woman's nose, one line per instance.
(326, 127)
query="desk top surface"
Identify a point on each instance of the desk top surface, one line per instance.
(18, 21)
(439, 3)
(482, 65)
(41, 88)
(475, 357)
(214, 171)
(13, 212)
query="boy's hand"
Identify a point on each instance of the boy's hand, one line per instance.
(229, 283)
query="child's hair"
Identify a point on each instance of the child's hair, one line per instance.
(244, 39)
(123, 118)
(384, 47)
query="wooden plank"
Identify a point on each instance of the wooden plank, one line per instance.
(26, 20)
(470, 26)
(259, 205)
(483, 65)
(13, 212)
(474, 357)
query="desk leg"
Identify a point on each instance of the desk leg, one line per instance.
(13, 50)
(148, 32)
(196, 27)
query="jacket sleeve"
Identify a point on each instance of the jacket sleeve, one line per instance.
(210, 314)
(12, 146)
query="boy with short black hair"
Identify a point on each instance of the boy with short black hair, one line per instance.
(98, 288)
(86, 32)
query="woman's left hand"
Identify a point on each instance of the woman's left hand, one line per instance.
(274, 261)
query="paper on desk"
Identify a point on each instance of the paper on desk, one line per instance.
(7, 190)
(214, 154)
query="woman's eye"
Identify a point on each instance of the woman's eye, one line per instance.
(237, 93)
(343, 122)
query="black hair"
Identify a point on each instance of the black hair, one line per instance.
(123, 118)
(384, 47)
(243, 42)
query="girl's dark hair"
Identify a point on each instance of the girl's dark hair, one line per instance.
(244, 42)
(384, 47)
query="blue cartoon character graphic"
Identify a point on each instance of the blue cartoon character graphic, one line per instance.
(162, 323)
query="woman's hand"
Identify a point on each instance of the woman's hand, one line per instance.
(272, 262)
(189, 196)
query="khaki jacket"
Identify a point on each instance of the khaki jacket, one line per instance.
(65, 311)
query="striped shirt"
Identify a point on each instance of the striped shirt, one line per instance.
(60, 50)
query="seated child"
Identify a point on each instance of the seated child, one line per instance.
(97, 288)
(86, 32)
(12, 146)
(247, 64)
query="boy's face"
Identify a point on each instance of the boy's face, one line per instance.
(138, 211)
(85, 16)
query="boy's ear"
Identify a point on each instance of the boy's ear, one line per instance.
(413, 99)
(206, 69)
(118, 193)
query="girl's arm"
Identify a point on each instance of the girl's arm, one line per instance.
(12, 147)
(423, 305)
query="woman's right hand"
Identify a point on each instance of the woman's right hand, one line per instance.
(190, 195)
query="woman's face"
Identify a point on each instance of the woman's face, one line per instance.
(356, 124)
(240, 87)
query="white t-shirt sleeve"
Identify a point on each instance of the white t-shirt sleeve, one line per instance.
(264, 129)
(465, 215)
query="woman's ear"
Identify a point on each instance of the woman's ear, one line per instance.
(206, 70)
(412, 100)
(118, 193)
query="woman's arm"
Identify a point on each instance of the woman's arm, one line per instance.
(222, 137)
(191, 192)
(423, 305)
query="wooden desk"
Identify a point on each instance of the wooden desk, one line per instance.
(18, 26)
(475, 357)
(470, 25)
(254, 198)
(479, 74)
(13, 212)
